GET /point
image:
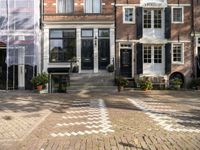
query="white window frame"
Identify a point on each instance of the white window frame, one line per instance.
(124, 17)
(197, 43)
(84, 8)
(64, 12)
(182, 53)
(172, 14)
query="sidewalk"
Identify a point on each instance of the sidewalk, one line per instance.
(101, 120)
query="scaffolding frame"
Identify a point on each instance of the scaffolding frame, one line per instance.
(19, 30)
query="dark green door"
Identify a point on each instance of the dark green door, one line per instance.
(104, 53)
(87, 49)
(126, 63)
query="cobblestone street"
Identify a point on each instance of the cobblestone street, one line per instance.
(100, 120)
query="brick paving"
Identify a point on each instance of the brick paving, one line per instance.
(135, 120)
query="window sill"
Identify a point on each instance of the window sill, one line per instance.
(177, 63)
(177, 22)
(128, 22)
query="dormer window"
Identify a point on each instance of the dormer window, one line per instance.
(92, 6)
(65, 6)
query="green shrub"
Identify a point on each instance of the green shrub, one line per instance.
(110, 68)
(40, 79)
(121, 81)
(145, 84)
(194, 83)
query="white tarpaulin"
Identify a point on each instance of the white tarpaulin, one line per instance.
(19, 30)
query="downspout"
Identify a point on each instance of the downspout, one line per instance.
(115, 26)
(193, 40)
(42, 33)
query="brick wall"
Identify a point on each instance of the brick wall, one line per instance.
(197, 15)
(78, 15)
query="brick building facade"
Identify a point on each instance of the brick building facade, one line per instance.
(77, 30)
(196, 34)
(142, 38)
(155, 37)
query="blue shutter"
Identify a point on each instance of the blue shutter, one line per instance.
(139, 22)
(168, 60)
(168, 22)
(139, 48)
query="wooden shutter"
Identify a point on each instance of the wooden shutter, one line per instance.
(139, 48)
(139, 22)
(168, 22)
(168, 60)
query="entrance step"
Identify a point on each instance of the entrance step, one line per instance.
(91, 80)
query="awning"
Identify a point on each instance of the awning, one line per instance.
(58, 70)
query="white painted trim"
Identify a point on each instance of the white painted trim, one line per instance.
(179, 5)
(172, 12)
(131, 47)
(127, 5)
(160, 42)
(197, 45)
(81, 23)
(181, 41)
(182, 54)
(123, 10)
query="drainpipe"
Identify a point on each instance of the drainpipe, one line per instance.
(193, 39)
(115, 24)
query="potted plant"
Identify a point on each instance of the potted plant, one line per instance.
(176, 83)
(110, 68)
(145, 84)
(121, 83)
(40, 81)
(75, 69)
(195, 84)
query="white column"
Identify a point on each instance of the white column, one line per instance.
(96, 60)
(112, 45)
(46, 50)
(21, 68)
(78, 47)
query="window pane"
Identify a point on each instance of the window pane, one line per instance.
(69, 5)
(157, 19)
(129, 14)
(104, 33)
(177, 53)
(88, 6)
(147, 18)
(62, 45)
(96, 6)
(92, 6)
(177, 14)
(157, 54)
(147, 54)
(87, 33)
(61, 6)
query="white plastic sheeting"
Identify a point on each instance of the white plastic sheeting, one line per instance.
(19, 30)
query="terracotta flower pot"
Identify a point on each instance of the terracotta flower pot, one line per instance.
(120, 88)
(39, 87)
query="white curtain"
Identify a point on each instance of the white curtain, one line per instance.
(60, 6)
(88, 6)
(96, 6)
(69, 5)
